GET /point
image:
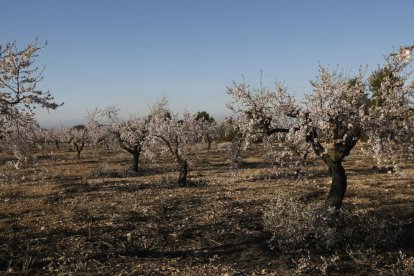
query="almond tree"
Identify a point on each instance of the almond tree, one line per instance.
(19, 94)
(176, 135)
(131, 135)
(19, 77)
(53, 136)
(47, 139)
(20, 139)
(209, 128)
(41, 138)
(333, 118)
(78, 137)
(231, 140)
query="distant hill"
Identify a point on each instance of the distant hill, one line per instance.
(55, 124)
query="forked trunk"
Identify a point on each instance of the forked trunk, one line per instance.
(333, 159)
(338, 185)
(135, 151)
(182, 179)
(79, 149)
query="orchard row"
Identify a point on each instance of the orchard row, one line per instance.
(375, 109)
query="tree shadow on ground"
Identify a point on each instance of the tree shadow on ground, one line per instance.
(170, 233)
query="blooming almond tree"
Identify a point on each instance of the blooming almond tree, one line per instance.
(333, 117)
(78, 137)
(391, 119)
(19, 96)
(265, 114)
(19, 77)
(209, 127)
(131, 135)
(177, 136)
(21, 140)
(53, 136)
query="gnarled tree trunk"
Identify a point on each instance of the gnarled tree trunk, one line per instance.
(333, 158)
(135, 151)
(338, 185)
(182, 178)
(135, 161)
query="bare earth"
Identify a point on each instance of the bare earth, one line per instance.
(66, 216)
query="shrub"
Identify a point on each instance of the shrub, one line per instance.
(298, 226)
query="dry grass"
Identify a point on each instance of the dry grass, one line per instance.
(91, 216)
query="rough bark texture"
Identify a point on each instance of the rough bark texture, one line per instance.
(135, 151)
(135, 161)
(338, 185)
(333, 159)
(182, 179)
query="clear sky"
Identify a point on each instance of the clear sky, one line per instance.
(130, 53)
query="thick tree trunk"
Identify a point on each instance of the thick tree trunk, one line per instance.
(338, 185)
(333, 159)
(135, 159)
(135, 151)
(182, 179)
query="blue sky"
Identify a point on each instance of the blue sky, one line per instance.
(130, 53)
